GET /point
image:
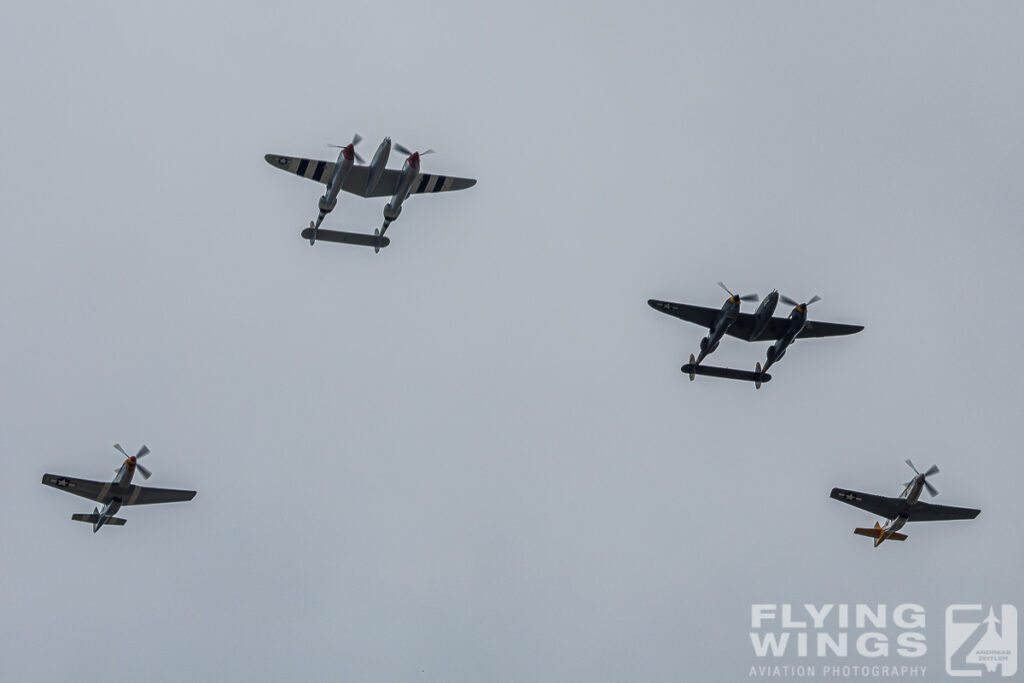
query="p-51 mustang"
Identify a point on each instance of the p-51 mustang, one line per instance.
(757, 326)
(366, 181)
(119, 492)
(906, 508)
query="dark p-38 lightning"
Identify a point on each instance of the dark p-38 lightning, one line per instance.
(114, 494)
(758, 326)
(906, 508)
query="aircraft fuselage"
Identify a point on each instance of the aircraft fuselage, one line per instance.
(763, 315)
(891, 527)
(377, 164)
(122, 482)
(911, 495)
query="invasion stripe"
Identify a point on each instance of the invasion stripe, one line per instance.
(301, 170)
(423, 183)
(318, 173)
(440, 183)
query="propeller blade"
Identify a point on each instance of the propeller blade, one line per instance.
(146, 474)
(118, 447)
(931, 489)
(429, 151)
(813, 299)
(934, 469)
(402, 149)
(911, 465)
(354, 142)
(749, 297)
(725, 288)
(786, 300)
(142, 451)
(356, 139)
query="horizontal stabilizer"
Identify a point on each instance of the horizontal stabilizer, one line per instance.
(92, 518)
(877, 531)
(727, 373)
(362, 240)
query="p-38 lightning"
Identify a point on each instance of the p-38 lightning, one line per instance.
(114, 494)
(374, 180)
(757, 326)
(905, 508)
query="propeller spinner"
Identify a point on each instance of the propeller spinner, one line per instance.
(133, 460)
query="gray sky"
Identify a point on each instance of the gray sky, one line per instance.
(473, 456)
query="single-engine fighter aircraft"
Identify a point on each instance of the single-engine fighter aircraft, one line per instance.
(757, 326)
(119, 492)
(906, 508)
(367, 181)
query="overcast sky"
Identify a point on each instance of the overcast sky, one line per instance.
(473, 456)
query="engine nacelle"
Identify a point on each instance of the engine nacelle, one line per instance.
(327, 204)
(391, 213)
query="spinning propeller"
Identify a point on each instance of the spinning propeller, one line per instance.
(133, 459)
(402, 149)
(351, 147)
(789, 302)
(934, 469)
(745, 297)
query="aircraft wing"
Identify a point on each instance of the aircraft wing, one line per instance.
(816, 329)
(320, 171)
(743, 327)
(86, 488)
(928, 512)
(146, 495)
(698, 315)
(429, 183)
(358, 177)
(388, 183)
(876, 505)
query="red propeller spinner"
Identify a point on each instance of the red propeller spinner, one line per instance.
(414, 157)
